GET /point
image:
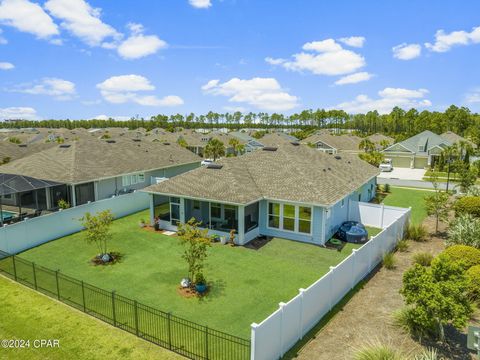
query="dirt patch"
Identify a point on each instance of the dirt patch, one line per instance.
(368, 315)
(191, 292)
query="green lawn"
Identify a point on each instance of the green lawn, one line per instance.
(409, 198)
(246, 284)
(28, 315)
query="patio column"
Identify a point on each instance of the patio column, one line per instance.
(48, 198)
(182, 210)
(74, 199)
(152, 209)
(241, 225)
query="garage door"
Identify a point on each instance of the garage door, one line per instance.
(401, 162)
(420, 163)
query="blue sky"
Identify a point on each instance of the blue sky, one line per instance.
(84, 59)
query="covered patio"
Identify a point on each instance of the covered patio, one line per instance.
(22, 197)
(219, 218)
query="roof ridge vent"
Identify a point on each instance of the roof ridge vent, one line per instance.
(110, 141)
(22, 145)
(338, 157)
(64, 146)
(295, 143)
(137, 140)
(214, 166)
(270, 148)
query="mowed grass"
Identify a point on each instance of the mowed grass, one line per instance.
(28, 315)
(409, 198)
(246, 284)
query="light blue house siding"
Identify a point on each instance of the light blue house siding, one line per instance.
(106, 188)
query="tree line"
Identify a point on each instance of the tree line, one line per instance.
(398, 123)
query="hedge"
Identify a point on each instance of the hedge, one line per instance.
(468, 205)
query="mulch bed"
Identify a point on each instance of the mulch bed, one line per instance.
(191, 292)
(115, 257)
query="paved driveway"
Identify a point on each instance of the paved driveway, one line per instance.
(404, 174)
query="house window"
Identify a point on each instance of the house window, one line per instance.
(290, 217)
(274, 215)
(196, 205)
(133, 180)
(141, 178)
(126, 181)
(305, 219)
(216, 210)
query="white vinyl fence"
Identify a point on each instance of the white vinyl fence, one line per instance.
(35, 231)
(275, 335)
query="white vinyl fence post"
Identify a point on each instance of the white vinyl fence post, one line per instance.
(300, 328)
(282, 325)
(383, 215)
(353, 277)
(332, 268)
(253, 332)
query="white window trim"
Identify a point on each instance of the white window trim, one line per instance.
(296, 219)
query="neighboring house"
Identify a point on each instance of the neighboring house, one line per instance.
(277, 139)
(333, 144)
(250, 143)
(292, 191)
(419, 151)
(379, 139)
(453, 138)
(91, 170)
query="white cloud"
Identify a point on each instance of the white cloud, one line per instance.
(24, 113)
(82, 20)
(200, 4)
(125, 88)
(445, 41)
(353, 41)
(473, 97)
(388, 99)
(354, 78)
(407, 51)
(58, 88)
(27, 17)
(327, 57)
(106, 117)
(262, 93)
(3, 41)
(6, 66)
(139, 45)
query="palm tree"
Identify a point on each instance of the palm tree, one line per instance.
(234, 143)
(214, 148)
(367, 145)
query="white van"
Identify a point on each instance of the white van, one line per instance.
(386, 166)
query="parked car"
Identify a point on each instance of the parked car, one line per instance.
(386, 166)
(206, 162)
(353, 232)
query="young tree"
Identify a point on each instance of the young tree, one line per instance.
(182, 142)
(97, 229)
(196, 242)
(215, 149)
(437, 203)
(466, 177)
(436, 296)
(234, 143)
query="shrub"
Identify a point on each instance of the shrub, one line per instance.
(423, 258)
(402, 245)
(429, 354)
(468, 205)
(416, 233)
(473, 282)
(466, 256)
(389, 261)
(405, 318)
(377, 351)
(386, 188)
(465, 230)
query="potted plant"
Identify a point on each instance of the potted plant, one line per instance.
(200, 283)
(223, 240)
(232, 237)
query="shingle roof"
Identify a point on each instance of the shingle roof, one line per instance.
(276, 139)
(339, 142)
(426, 140)
(87, 160)
(292, 173)
(455, 138)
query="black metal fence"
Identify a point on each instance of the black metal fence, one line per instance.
(176, 334)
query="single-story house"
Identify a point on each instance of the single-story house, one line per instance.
(91, 170)
(418, 152)
(250, 143)
(332, 144)
(292, 191)
(457, 139)
(277, 138)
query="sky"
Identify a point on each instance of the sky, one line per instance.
(80, 59)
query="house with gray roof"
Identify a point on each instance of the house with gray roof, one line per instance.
(91, 170)
(250, 143)
(417, 152)
(292, 191)
(332, 144)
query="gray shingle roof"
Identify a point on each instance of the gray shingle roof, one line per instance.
(422, 142)
(339, 142)
(87, 160)
(292, 173)
(453, 138)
